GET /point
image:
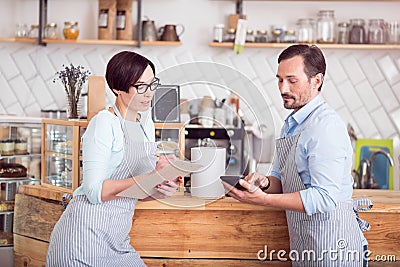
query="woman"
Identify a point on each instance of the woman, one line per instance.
(118, 146)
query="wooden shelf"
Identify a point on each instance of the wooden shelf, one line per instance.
(111, 42)
(92, 42)
(19, 40)
(323, 46)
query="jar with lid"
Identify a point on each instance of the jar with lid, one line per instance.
(262, 36)
(250, 36)
(357, 31)
(278, 32)
(50, 31)
(21, 30)
(218, 33)
(306, 31)
(290, 36)
(326, 27)
(34, 32)
(376, 31)
(71, 30)
(230, 35)
(343, 33)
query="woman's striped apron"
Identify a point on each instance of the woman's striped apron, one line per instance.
(97, 234)
(322, 239)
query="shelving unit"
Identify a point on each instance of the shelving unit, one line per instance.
(42, 41)
(323, 46)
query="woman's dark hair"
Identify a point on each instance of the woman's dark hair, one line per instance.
(314, 61)
(125, 69)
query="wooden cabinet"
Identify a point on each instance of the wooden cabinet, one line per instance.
(61, 153)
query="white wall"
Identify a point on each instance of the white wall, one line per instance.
(363, 86)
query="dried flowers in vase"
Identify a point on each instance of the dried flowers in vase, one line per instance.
(73, 78)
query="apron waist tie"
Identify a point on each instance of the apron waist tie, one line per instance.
(65, 200)
(362, 205)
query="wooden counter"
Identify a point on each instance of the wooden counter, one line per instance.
(189, 231)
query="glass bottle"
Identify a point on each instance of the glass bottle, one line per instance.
(50, 31)
(34, 32)
(376, 31)
(262, 36)
(326, 27)
(343, 33)
(306, 31)
(290, 36)
(278, 33)
(71, 30)
(357, 31)
(21, 30)
(218, 33)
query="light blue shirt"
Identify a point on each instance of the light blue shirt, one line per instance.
(323, 157)
(103, 150)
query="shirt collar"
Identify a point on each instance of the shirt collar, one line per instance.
(303, 113)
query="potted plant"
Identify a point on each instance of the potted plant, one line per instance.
(73, 78)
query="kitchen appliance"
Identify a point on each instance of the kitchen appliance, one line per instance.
(169, 32)
(165, 104)
(232, 139)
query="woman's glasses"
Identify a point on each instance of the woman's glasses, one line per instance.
(141, 88)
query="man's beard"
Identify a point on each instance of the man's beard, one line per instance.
(294, 105)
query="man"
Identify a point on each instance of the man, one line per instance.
(311, 177)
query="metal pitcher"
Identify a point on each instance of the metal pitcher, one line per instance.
(169, 32)
(149, 32)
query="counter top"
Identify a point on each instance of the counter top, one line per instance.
(383, 200)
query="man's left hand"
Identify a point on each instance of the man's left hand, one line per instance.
(252, 194)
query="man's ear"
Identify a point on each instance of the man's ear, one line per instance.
(317, 80)
(115, 91)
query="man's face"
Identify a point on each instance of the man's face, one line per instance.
(295, 87)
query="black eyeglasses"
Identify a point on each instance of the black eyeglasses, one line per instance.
(141, 88)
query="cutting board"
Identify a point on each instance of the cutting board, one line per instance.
(383, 172)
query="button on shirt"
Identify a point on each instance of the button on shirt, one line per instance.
(323, 156)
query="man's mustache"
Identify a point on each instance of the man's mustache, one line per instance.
(288, 96)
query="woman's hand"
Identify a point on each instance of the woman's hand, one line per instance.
(164, 160)
(167, 189)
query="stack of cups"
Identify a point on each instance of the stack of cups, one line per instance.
(393, 32)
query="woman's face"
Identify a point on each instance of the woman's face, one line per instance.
(139, 102)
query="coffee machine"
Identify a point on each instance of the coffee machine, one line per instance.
(232, 139)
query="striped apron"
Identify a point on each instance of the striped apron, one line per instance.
(322, 239)
(98, 234)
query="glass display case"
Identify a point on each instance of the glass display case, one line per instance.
(20, 145)
(61, 153)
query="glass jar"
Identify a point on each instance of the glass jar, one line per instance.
(326, 27)
(290, 36)
(21, 30)
(34, 32)
(278, 33)
(357, 31)
(262, 36)
(343, 33)
(250, 36)
(230, 35)
(71, 30)
(50, 31)
(376, 31)
(218, 33)
(306, 31)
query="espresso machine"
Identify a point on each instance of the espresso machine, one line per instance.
(232, 139)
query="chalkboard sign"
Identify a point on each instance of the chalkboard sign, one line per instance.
(166, 104)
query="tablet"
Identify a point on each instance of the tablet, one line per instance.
(233, 180)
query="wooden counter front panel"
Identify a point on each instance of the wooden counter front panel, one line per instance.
(208, 233)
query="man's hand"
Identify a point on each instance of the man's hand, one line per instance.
(253, 194)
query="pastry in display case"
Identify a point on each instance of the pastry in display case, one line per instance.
(61, 153)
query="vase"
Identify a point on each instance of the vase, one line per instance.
(72, 107)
